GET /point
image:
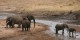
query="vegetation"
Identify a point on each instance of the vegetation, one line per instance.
(40, 6)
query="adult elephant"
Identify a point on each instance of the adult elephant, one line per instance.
(17, 19)
(12, 20)
(61, 27)
(25, 24)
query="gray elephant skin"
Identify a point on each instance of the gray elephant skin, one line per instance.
(17, 19)
(25, 24)
(61, 27)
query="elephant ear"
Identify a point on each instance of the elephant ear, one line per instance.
(30, 17)
(57, 25)
(24, 18)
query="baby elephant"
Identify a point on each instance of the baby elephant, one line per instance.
(72, 30)
(25, 24)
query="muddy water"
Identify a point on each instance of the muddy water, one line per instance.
(51, 30)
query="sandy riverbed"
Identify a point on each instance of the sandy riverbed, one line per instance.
(17, 34)
(37, 33)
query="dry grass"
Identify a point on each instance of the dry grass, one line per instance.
(33, 5)
(40, 7)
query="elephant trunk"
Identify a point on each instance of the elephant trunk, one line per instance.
(34, 22)
(30, 17)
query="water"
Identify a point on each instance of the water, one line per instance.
(51, 30)
(3, 15)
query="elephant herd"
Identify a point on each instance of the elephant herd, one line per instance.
(25, 22)
(62, 27)
(21, 20)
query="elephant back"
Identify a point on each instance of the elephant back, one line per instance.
(61, 26)
(58, 25)
(65, 25)
(72, 29)
(17, 19)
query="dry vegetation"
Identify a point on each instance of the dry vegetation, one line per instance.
(40, 5)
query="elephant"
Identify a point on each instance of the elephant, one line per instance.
(25, 24)
(9, 22)
(17, 19)
(71, 30)
(30, 17)
(61, 27)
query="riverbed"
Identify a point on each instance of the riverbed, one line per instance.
(51, 27)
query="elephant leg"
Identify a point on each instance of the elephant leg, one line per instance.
(63, 32)
(13, 26)
(29, 28)
(25, 28)
(72, 34)
(18, 25)
(6, 26)
(75, 34)
(56, 31)
(22, 29)
(10, 26)
(69, 34)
